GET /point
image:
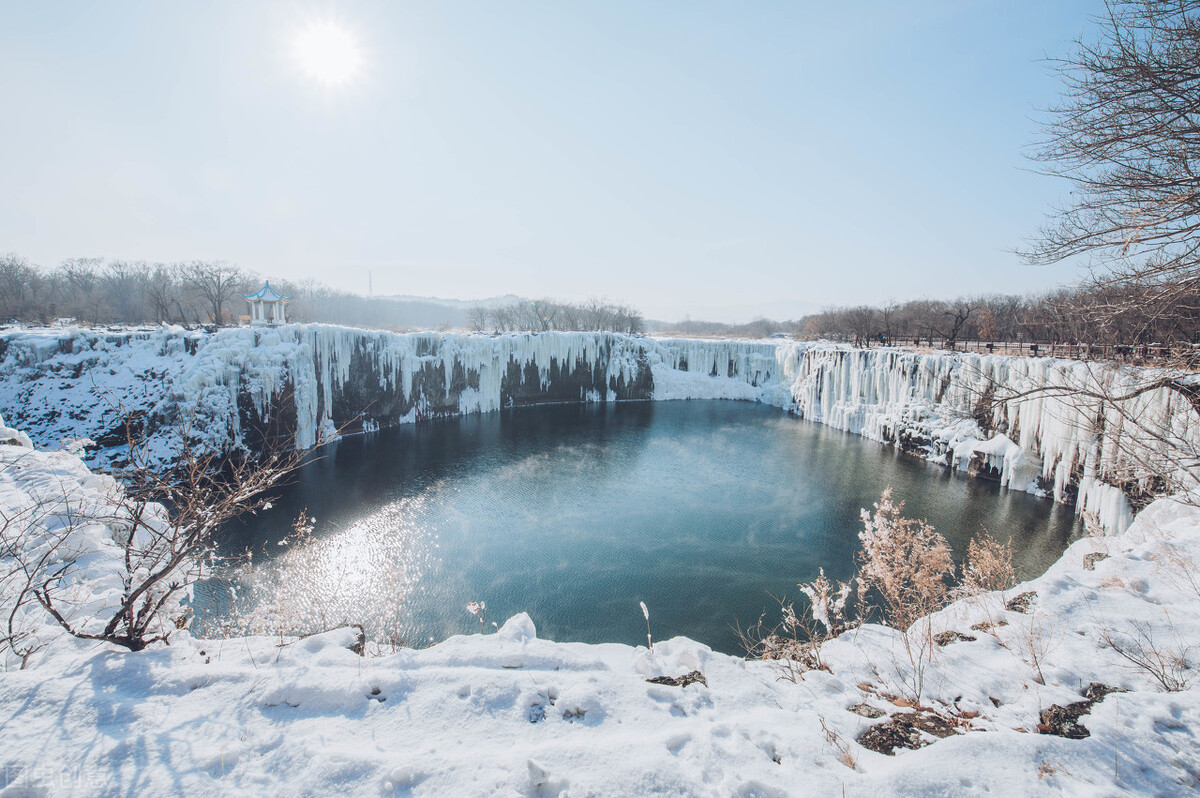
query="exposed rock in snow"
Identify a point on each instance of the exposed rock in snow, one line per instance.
(12, 437)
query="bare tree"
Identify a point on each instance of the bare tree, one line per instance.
(479, 318)
(955, 320)
(162, 293)
(24, 555)
(124, 284)
(862, 320)
(77, 284)
(1125, 135)
(217, 282)
(18, 286)
(168, 519)
(887, 314)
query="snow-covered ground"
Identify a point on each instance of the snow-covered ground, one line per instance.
(508, 713)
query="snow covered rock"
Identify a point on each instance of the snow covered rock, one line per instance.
(1019, 420)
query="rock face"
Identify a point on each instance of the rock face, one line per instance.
(238, 388)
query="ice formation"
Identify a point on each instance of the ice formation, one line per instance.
(1022, 421)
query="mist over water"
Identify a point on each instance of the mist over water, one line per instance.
(574, 514)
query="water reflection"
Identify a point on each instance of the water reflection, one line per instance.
(575, 514)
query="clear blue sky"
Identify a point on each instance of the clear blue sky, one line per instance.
(721, 160)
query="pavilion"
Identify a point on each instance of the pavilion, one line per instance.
(266, 306)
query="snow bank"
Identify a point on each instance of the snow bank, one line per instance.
(53, 509)
(12, 437)
(1018, 420)
(510, 713)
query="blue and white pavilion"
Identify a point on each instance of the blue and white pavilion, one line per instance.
(266, 306)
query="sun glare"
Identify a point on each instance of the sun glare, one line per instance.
(327, 53)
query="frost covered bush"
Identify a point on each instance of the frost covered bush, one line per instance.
(904, 562)
(795, 642)
(479, 610)
(828, 603)
(908, 567)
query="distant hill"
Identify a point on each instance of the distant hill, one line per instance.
(463, 304)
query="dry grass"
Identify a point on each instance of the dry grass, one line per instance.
(908, 566)
(1172, 663)
(989, 567)
(845, 753)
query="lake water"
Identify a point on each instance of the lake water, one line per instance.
(574, 514)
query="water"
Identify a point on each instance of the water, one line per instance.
(703, 510)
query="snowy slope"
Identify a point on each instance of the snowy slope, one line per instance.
(511, 714)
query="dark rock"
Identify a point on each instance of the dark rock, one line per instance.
(928, 723)
(979, 468)
(946, 638)
(885, 738)
(131, 427)
(1064, 721)
(1096, 691)
(867, 711)
(987, 626)
(360, 641)
(680, 681)
(904, 731)
(1090, 560)
(1022, 602)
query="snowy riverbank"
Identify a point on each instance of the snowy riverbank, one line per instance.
(511, 714)
(997, 416)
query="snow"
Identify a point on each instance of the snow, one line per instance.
(63, 383)
(13, 437)
(509, 713)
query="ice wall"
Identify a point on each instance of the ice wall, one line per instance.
(1036, 424)
(237, 386)
(1027, 422)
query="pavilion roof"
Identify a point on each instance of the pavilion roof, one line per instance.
(265, 294)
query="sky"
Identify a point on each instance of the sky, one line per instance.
(695, 159)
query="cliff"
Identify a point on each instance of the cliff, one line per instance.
(1022, 421)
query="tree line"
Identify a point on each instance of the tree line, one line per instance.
(202, 293)
(542, 315)
(1085, 314)
(98, 291)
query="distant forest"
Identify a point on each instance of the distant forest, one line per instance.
(1100, 314)
(202, 293)
(1081, 315)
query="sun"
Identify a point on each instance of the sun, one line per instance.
(327, 53)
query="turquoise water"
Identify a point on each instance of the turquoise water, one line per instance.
(703, 510)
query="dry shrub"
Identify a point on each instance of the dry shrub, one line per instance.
(905, 562)
(987, 575)
(908, 566)
(1031, 639)
(795, 642)
(845, 752)
(989, 567)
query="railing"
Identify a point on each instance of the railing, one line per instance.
(1124, 353)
